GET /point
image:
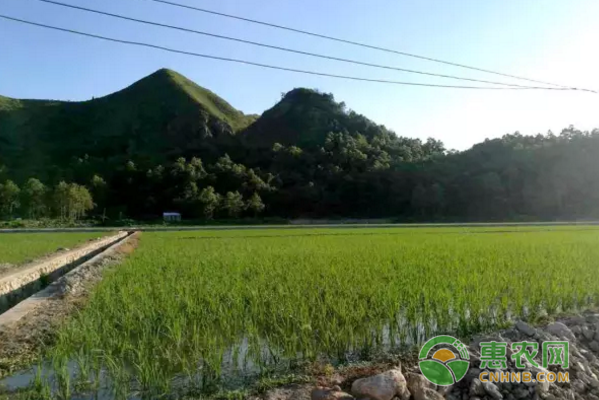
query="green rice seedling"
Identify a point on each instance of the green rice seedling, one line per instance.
(62, 378)
(16, 248)
(191, 312)
(40, 389)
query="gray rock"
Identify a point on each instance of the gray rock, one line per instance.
(291, 392)
(492, 391)
(560, 330)
(541, 388)
(576, 320)
(588, 355)
(578, 366)
(335, 393)
(472, 372)
(568, 394)
(578, 386)
(575, 353)
(525, 328)
(428, 394)
(444, 390)
(594, 345)
(521, 392)
(584, 378)
(383, 386)
(477, 388)
(420, 387)
(587, 333)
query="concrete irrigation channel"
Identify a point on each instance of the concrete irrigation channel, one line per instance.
(26, 287)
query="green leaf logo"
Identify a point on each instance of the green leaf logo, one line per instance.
(444, 367)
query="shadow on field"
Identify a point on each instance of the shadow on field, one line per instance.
(381, 233)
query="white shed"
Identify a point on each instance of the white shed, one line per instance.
(171, 216)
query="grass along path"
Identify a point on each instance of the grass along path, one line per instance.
(17, 248)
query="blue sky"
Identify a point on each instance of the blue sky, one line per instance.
(552, 40)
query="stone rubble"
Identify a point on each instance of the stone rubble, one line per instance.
(421, 388)
(383, 386)
(334, 393)
(582, 332)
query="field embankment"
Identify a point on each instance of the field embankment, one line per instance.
(22, 281)
(30, 326)
(29, 246)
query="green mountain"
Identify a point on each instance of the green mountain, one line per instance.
(164, 143)
(160, 117)
(304, 118)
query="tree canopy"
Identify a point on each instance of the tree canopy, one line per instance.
(309, 156)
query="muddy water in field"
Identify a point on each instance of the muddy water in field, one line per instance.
(238, 369)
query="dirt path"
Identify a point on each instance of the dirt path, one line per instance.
(12, 269)
(22, 341)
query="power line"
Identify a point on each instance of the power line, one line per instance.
(239, 61)
(353, 43)
(286, 49)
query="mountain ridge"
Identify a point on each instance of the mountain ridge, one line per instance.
(165, 143)
(304, 117)
(154, 118)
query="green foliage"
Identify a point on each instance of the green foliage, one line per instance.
(99, 192)
(428, 200)
(153, 121)
(206, 312)
(34, 199)
(16, 248)
(158, 144)
(255, 204)
(9, 198)
(233, 204)
(209, 200)
(214, 105)
(72, 201)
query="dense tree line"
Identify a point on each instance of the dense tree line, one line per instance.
(515, 177)
(35, 200)
(182, 186)
(310, 157)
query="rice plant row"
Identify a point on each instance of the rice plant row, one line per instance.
(191, 311)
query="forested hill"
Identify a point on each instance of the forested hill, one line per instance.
(165, 143)
(305, 117)
(162, 116)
